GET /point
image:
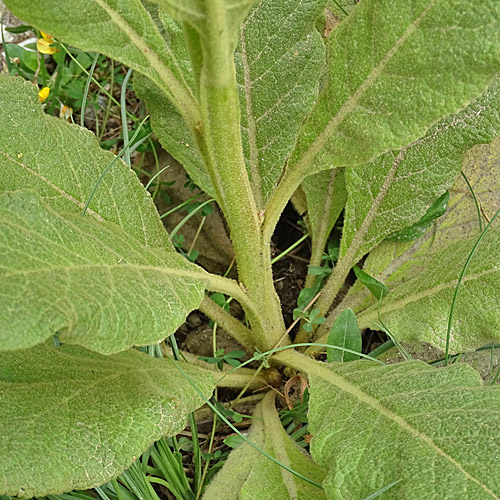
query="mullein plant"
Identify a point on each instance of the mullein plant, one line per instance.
(373, 110)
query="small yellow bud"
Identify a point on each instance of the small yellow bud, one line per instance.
(43, 94)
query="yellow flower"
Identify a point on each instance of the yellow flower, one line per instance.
(43, 94)
(44, 44)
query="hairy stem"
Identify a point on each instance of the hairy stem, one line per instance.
(296, 360)
(354, 252)
(219, 139)
(228, 377)
(230, 324)
(230, 287)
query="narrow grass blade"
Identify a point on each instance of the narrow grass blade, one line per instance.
(86, 91)
(290, 248)
(188, 216)
(155, 176)
(382, 490)
(476, 202)
(123, 110)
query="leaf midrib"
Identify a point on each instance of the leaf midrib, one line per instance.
(274, 429)
(60, 403)
(398, 304)
(353, 254)
(408, 254)
(182, 273)
(397, 261)
(180, 93)
(308, 156)
(90, 384)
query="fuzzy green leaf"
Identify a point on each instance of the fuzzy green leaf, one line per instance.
(430, 429)
(395, 190)
(70, 418)
(486, 360)
(63, 163)
(86, 280)
(326, 196)
(248, 474)
(394, 204)
(389, 78)
(344, 333)
(123, 30)
(423, 275)
(278, 62)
